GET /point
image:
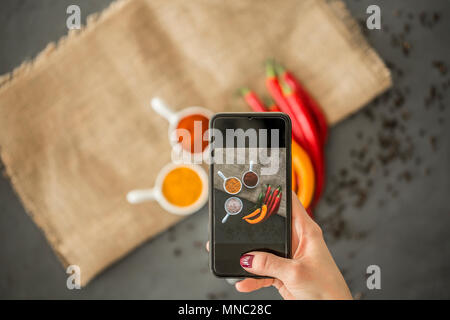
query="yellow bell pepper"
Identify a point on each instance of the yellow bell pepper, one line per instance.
(303, 167)
(294, 180)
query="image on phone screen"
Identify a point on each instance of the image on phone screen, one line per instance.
(250, 183)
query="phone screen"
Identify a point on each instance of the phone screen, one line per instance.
(250, 183)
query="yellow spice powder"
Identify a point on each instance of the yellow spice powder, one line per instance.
(182, 187)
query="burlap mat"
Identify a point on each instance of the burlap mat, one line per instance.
(76, 130)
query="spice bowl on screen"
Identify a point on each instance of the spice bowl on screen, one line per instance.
(250, 177)
(231, 185)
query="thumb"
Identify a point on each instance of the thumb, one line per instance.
(266, 264)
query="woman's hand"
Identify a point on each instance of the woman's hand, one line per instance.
(310, 274)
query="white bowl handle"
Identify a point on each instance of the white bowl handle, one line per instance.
(221, 175)
(163, 110)
(225, 218)
(138, 196)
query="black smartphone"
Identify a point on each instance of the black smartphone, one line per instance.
(250, 188)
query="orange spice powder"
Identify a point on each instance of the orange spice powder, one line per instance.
(232, 185)
(182, 187)
(188, 123)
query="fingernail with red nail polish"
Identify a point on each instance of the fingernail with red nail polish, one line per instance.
(246, 260)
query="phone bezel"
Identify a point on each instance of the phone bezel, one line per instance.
(288, 137)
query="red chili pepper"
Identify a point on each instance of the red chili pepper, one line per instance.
(309, 100)
(312, 142)
(274, 208)
(267, 194)
(274, 88)
(276, 204)
(272, 198)
(274, 108)
(310, 212)
(269, 200)
(252, 100)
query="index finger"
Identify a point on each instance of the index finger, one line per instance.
(302, 223)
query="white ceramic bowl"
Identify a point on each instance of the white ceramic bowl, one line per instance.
(156, 194)
(174, 118)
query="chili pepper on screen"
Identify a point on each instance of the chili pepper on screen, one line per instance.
(269, 207)
(274, 207)
(276, 204)
(308, 99)
(266, 198)
(259, 201)
(260, 198)
(312, 142)
(252, 100)
(254, 213)
(273, 196)
(260, 217)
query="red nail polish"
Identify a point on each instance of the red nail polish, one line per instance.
(246, 260)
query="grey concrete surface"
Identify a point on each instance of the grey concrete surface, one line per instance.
(394, 212)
